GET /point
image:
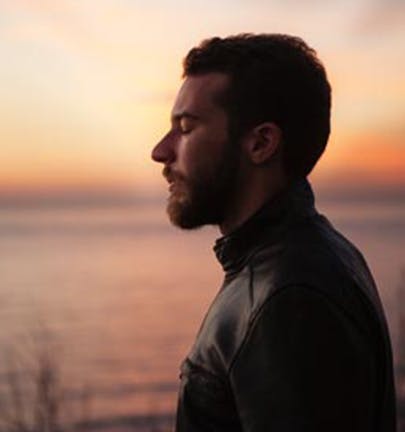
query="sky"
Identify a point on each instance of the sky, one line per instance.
(87, 86)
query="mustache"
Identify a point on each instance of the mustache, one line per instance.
(171, 175)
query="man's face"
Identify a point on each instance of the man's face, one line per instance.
(200, 162)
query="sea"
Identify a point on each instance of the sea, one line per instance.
(100, 303)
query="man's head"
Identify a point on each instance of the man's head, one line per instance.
(269, 91)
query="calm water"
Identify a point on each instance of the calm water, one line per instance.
(119, 294)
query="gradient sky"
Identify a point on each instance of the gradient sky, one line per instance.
(87, 85)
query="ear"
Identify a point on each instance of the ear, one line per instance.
(263, 143)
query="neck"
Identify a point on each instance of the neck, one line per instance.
(248, 199)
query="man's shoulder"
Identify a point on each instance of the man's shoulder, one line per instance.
(311, 253)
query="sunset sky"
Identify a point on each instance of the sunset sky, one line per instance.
(87, 85)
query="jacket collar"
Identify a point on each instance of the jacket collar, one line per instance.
(266, 224)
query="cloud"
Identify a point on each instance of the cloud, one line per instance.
(381, 16)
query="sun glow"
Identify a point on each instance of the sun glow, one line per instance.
(87, 86)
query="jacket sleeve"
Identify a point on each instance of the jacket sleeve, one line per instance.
(304, 365)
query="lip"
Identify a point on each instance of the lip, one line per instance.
(172, 185)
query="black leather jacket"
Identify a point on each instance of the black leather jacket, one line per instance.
(296, 339)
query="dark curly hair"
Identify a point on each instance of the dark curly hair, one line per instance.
(273, 77)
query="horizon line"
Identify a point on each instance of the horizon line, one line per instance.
(91, 197)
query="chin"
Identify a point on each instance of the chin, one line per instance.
(186, 214)
(182, 216)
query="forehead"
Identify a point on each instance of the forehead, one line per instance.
(200, 94)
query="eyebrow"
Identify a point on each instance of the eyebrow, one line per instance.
(184, 114)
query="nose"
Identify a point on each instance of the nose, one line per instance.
(163, 152)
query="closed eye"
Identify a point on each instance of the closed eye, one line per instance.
(186, 125)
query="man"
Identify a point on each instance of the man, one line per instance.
(296, 338)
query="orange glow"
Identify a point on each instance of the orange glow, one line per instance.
(87, 86)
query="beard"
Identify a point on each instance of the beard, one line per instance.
(203, 198)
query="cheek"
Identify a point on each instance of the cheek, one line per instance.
(190, 156)
(199, 155)
(186, 158)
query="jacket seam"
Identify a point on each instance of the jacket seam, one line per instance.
(251, 278)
